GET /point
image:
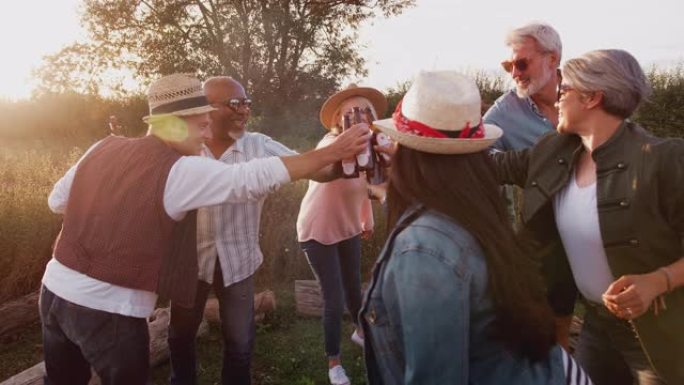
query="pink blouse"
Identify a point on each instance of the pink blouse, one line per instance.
(334, 211)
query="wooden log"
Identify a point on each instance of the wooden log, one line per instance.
(30, 376)
(18, 313)
(264, 302)
(158, 325)
(309, 299)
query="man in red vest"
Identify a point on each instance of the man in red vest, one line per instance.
(129, 232)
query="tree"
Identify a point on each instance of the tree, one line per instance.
(284, 51)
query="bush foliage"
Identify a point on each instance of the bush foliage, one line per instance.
(41, 138)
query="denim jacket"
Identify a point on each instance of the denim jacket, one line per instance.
(427, 314)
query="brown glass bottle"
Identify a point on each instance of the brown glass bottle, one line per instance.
(377, 174)
(365, 158)
(350, 169)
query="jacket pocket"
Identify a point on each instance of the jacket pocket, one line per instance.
(613, 204)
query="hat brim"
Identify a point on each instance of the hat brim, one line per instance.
(186, 112)
(331, 105)
(440, 145)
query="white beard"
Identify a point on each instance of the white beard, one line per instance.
(535, 84)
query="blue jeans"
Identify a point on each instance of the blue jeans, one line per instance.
(76, 337)
(337, 269)
(610, 353)
(236, 308)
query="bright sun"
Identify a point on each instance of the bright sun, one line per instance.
(30, 29)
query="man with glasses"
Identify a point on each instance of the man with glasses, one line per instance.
(525, 114)
(128, 234)
(227, 243)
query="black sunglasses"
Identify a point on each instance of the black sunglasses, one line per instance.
(236, 103)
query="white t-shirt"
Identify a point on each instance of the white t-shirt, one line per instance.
(577, 221)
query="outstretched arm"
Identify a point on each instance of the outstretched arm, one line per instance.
(346, 145)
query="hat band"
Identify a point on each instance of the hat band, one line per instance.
(183, 104)
(415, 127)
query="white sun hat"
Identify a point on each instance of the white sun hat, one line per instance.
(177, 94)
(440, 114)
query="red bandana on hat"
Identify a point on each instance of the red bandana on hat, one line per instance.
(414, 127)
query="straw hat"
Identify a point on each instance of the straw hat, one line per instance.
(440, 114)
(177, 94)
(375, 97)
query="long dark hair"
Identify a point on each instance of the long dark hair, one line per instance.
(465, 188)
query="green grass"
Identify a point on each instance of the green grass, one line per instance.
(20, 351)
(288, 350)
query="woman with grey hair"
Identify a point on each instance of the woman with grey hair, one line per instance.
(614, 195)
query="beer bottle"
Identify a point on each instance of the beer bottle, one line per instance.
(381, 139)
(365, 157)
(349, 167)
(378, 174)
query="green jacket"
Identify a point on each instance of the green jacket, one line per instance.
(640, 197)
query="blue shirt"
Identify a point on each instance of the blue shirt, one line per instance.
(428, 315)
(520, 119)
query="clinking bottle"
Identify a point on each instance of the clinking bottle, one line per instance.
(381, 139)
(365, 158)
(349, 167)
(378, 174)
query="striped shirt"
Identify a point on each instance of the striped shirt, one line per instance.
(231, 231)
(574, 374)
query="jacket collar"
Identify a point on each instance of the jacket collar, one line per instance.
(612, 150)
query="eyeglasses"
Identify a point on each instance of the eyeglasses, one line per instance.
(563, 89)
(236, 103)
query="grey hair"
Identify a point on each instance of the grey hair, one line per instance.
(547, 37)
(615, 73)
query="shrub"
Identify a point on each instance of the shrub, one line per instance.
(41, 138)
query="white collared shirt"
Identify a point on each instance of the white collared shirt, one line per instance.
(193, 182)
(231, 230)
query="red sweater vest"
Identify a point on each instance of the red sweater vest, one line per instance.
(116, 228)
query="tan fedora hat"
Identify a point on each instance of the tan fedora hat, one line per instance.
(178, 95)
(440, 114)
(331, 105)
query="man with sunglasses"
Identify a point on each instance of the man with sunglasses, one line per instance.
(227, 243)
(525, 114)
(528, 111)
